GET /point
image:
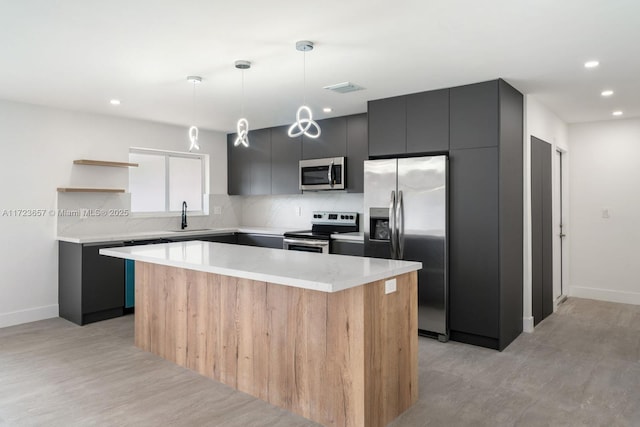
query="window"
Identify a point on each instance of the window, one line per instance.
(164, 179)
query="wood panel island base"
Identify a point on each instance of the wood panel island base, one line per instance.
(342, 358)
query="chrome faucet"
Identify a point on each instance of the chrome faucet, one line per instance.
(183, 224)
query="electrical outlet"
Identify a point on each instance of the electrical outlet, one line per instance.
(217, 210)
(605, 213)
(389, 286)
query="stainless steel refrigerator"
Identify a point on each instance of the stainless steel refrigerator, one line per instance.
(405, 208)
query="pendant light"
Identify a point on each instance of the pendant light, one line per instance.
(193, 130)
(242, 127)
(304, 125)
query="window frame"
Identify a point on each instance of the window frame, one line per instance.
(167, 154)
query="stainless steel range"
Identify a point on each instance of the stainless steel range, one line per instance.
(323, 225)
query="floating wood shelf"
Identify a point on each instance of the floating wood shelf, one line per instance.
(89, 190)
(103, 163)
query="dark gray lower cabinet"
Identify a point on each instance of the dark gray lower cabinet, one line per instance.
(220, 238)
(90, 286)
(345, 247)
(262, 240)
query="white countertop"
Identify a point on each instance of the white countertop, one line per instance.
(159, 234)
(320, 272)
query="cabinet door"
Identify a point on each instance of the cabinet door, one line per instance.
(474, 116)
(474, 287)
(388, 126)
(285, 157)
(238, 168)
(261, 240)
(332, 141)
(357, 152)
(260, 162)
(102, 279)
(218, 238)
(342, 247)
(428, 122)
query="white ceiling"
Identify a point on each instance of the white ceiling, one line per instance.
(78, 54)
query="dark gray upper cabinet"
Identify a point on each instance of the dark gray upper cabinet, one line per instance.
(238, 168)
(412, 124)
(428, 122)
(260, 163)
(387, 126)
(332, 141)
(249, 168)
(286, 152)
(357, 152)
(474, 114)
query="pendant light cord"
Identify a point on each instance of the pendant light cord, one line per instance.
(304, 77)
(242, 100)
(193, 106)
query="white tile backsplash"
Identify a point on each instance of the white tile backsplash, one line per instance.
(282, 211)
(108, 207)
(83, 214)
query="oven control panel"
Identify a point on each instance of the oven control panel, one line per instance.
(334, 218)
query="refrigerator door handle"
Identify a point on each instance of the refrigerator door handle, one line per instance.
(392, 225)
(400, 225)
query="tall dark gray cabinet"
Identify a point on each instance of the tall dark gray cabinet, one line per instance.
(480, 127)
(486, 211)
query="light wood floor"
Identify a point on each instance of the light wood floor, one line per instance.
(581, 367)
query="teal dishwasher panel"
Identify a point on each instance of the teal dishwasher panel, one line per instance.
(130, 283)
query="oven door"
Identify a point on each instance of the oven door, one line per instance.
(322, 174)
(306, 245)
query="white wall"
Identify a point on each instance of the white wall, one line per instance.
(605, 174)
(545, 125)
(38, 147)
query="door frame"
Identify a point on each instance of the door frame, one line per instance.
(560, 215)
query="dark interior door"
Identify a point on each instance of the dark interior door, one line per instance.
(541, 230)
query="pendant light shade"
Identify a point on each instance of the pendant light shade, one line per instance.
(193, 130)
(304, 124)
(242, 127)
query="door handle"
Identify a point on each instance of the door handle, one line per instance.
(330, 174)
(392, 225)
(400, 224)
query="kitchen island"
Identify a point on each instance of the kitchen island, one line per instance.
(332, 338)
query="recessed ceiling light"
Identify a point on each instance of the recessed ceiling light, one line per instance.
(606, 93)
(591, 64)
(617, 113)
(115, 102)
(327, 109)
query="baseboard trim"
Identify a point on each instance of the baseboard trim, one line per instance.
(29, 315)
(527, 324)
(606, 295)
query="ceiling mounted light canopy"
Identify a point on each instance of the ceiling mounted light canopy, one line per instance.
(304, 124)
(242, 127)
(193, 130)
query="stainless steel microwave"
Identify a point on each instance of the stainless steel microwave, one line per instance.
(323, 174)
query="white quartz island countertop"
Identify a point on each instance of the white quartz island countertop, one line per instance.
(320, 272)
